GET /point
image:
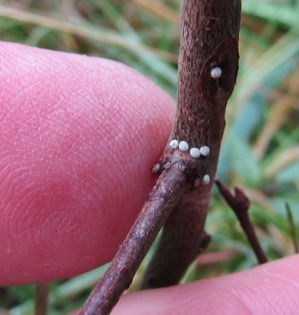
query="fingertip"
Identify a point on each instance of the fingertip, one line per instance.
(271, 288)
(80, 136)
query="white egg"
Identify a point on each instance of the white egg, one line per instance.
(183, 146)
(195, 153)
(204, 150)
(216, 73)
(174, 144)
(206, 179)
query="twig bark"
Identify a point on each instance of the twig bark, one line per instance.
(41, 299)
(209, 40)
(118, 277)
(181, 242)
(240, 205)
(208, 66)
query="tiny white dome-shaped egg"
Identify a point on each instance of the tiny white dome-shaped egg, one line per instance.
(195, 153)
(174, 144)
(216, 73)
(206, 179)
(183, 146)
(204, 150)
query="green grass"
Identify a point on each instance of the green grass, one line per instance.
(260, 151)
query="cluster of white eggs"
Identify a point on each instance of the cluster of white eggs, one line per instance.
(194, 153)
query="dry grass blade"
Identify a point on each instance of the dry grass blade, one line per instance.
(282, 109)
(278, 116)
(86, 31)
(158, 9)
(287, 157)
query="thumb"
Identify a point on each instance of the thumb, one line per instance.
(78, 138)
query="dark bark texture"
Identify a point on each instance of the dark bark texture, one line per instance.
(209, 39)
(161, 201)
(181, 197)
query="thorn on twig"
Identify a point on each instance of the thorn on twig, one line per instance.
(205, 240)
(240, 205)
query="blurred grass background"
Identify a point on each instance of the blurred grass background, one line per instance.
(260, 151)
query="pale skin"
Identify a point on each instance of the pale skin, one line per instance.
(78, 138)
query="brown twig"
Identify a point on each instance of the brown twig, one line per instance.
(240, 205)
(208, 66)
(165, 272)
(41, 299)
(119, 276)
(209, 39)
(182, 241)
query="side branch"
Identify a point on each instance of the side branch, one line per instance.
(240, 205)
(118, 277)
